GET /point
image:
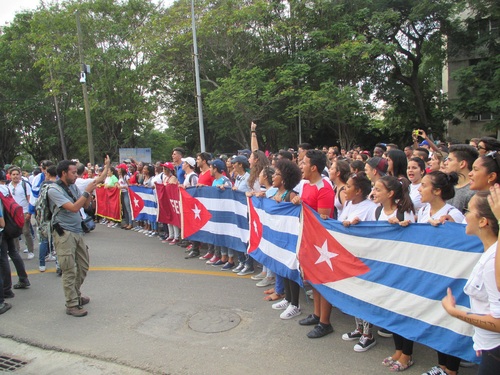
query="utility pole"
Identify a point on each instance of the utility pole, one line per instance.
(197, 76)
(58, 117)
(83, 81)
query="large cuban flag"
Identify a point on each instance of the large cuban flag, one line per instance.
(143, 203)
(398, 277)
(274, 232)
(215, 216)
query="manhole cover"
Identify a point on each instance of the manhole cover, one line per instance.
(214, 321)
(10, 364)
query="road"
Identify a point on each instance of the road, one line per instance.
(152, 311)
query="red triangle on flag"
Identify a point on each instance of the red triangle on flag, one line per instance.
(322, 258)
(136, 203)
(194, 214)
(255, 227)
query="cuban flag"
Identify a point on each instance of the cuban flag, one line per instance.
(399, 276)
(274, 232)
(215, 216)
(143, 203)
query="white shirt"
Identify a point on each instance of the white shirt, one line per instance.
(19, 194)
(407, 216)
(364, 211)
(424, 214)
(82, 183)
(484, 298)
(415, 196)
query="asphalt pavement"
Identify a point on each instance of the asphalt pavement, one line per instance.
(154, 312)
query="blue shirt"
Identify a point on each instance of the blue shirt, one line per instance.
(181, 175)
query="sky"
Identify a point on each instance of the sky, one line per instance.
(8, 8)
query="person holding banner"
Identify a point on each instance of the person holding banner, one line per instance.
(174, 232)
(485, 171)
(319, 195)
(482, 221)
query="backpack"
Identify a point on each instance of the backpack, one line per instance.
(399, 214)
(43, 214)
(13, 215)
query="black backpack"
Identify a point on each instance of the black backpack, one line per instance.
(400, 214)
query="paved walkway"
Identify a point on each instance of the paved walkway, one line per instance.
(152, 311)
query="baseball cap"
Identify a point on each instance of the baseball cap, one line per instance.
(239, 159)
(122, 166)
(380, 164)
(168, 165)
(217, 163)
(424, 143)
(246, 152)
(189, 160)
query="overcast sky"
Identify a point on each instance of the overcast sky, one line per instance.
(8, 8)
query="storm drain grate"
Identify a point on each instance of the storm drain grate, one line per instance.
(9, 364)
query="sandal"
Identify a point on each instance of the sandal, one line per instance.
(398, 366)
(389, 361)
(269, 291)
(274, 297)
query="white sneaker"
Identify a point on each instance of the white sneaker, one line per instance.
(266, 281)
(41, 268)
(31, 256)
(260, 276)
(290, 312)
(281, 305)
(50, 258)
(25, 251)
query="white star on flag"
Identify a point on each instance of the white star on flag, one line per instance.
(136, 202)
(255, 228)
(196, 211)
(325, 255)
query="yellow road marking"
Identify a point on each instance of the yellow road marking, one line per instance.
(152, 269)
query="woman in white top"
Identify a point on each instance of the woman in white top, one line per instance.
(481, 287)
(339, 174)
(415, 172)
(359, 208)
(436, 188)
(396, 207)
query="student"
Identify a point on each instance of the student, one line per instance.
(318, 194)
(415, 172)
(396, 207)
(397, 163)
(359, 208)
(339, 174)
(481, 287)
(485, 171)
(436, 189)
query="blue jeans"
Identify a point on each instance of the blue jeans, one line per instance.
(279, 287)
(490, 362)
(127, 217)
(44, 250)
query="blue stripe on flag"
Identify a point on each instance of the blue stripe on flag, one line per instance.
(229, 223)
(149, 211)
(280, 227)
(410, 269)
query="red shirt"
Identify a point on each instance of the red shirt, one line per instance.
(205, 178)
(319, 195)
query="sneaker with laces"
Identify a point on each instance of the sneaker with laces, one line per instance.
(220, 262)
(266, 281)
(246, 271)
(238, 268)
(227, 266)
(281, 305)
(50, 258)
(436, 370)
(42, 268)
(207, 256)
(4, 307)
(351, 336)
(320, 330)
(31, 256)
(213, 260)
(25, 251)
(365, 343)
(290, 312)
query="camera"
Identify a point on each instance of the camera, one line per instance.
(416, 132)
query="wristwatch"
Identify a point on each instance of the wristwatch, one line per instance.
(86, 194)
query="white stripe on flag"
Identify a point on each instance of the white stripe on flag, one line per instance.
(280, 223)
(224, 205)
(281, 255)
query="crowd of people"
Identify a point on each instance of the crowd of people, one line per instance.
(422, 183)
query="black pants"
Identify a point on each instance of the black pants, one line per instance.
(292, 291)
(405, 345)
(490, 362)
(448, 361)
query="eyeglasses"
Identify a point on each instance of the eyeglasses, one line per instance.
(481, 148)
